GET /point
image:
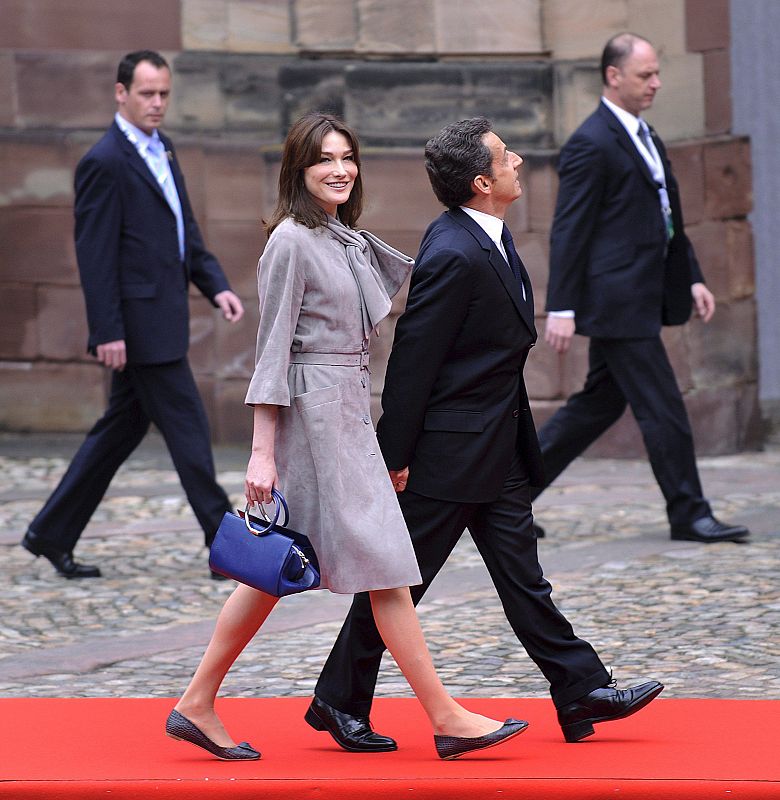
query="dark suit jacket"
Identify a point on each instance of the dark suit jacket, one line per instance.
(607, 245)
(134, 282)
(455, 404)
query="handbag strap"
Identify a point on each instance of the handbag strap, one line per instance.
(280, 504)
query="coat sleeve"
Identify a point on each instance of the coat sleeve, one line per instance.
(280, 285)
(435, 310)
(582, 171)
(98, 225)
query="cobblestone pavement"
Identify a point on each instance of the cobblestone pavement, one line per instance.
(704, 619)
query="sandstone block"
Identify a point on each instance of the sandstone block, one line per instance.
(204, 319)
(192, 162)
(398, 194)
(235, 345)
(308, 85)
(259, 26)
(576, 29)
(727, 179)
(196, 98)
(204, 24)
(577, 89)
(534, 250)
(35, 172)
(688, 166)
(723, 352)
(405, 104)
(50, 25)
(741, 260)
(323, 26)
(714, 420)
(404, 26)
(62, 324)
(707, 24)
(231, 419)
(519, 31)
(7, 90)
(37, 245)
(675, 340)
(19, 331)
(234, 179)
(238, 245)
(41, 397)
(65, 89)
(660, 21)
(717, 91)
(709, 243)
(541, 191)
(574, 363)
(678, 110)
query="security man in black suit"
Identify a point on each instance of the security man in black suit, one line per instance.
(138, 248)
(620, 267)
(459, 441)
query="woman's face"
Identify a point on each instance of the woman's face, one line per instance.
(331, 179)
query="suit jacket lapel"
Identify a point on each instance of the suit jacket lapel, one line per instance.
(137, 163)
(524, 307)
(627, 143)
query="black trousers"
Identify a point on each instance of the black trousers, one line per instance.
(502, 533)
(166, 395)
(636, 372)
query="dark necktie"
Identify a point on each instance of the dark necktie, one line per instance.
(512, 257)
(644, 137)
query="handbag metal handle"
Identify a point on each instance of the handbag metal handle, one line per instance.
(280, 504)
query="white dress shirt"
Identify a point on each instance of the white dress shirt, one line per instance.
(493, 227)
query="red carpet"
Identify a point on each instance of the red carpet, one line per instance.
(116, 749)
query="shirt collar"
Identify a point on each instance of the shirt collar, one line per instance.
(135, 135)
(628, 120)
(493, 226)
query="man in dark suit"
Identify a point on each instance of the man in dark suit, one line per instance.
(459, 441)
(138, 247)
(620, 267)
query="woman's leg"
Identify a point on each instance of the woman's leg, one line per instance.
(399, 627)
(241, 617)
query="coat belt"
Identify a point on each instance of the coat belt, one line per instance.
(332, 359)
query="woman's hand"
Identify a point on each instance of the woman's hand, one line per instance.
(261, 474)
(261, 477)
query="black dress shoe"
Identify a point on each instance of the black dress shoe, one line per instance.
(352, 733)
(538, 531)
(179, 727)
(449, 747)
(61, 561)
(603, 705)
(709, 529)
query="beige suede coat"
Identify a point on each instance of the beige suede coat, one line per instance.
(321, 292)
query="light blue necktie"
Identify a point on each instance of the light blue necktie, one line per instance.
(164, 175)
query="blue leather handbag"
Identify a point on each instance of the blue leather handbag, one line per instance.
(263, 554)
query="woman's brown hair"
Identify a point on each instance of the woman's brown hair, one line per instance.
(303, 148)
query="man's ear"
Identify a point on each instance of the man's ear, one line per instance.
(120, 92)
(482, 184)
(612, 75)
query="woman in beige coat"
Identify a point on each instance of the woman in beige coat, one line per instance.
(323, 288)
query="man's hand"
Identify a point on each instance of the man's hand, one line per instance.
(558, 332)
(112, 354)
(399, 477)
(230, 305)
(703, 301)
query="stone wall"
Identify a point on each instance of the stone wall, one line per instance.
(243, 69)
